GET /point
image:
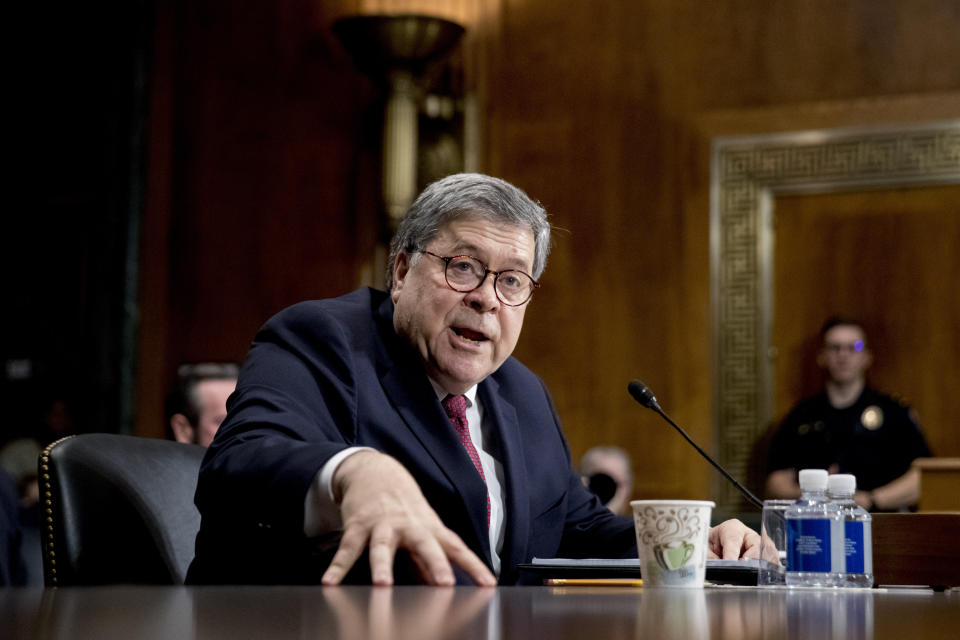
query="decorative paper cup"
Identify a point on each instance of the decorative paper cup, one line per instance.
(672, 541)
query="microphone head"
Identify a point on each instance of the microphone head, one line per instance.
(642, 394)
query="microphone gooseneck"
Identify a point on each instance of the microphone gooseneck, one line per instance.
(642, 394)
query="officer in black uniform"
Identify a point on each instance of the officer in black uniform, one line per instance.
(849, 428)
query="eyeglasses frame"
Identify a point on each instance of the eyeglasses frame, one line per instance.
(486, 271)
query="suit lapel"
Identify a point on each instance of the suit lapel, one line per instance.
(503, 417)
(414, 399)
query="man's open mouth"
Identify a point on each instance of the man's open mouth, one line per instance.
(469, 334)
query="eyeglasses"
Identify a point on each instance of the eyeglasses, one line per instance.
(839, 347)
(466, 273)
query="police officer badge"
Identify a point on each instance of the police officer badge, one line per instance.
(872, 417)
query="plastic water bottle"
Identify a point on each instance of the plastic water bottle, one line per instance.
(814, 534)
(857, 532)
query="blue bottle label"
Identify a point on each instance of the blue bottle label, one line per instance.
(853, 550)
(808, 545)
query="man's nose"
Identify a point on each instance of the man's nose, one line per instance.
(484, 297)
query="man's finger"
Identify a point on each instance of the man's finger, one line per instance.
(769, 551)
(351, 546)
(383, 548)
(431, 560)
(732, 543)
(467, 560)
(752, 545)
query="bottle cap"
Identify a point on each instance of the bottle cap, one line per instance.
(813, 479)
(842, 483)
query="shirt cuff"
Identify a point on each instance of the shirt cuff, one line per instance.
(321, 513)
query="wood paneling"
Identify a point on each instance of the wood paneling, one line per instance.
(263, 182)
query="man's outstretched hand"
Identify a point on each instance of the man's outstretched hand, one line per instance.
(383, 508)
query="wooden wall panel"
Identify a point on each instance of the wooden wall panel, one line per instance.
(270, 198)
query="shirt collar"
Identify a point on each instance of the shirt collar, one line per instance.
(442, 393)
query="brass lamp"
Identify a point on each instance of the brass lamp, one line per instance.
(397, 49)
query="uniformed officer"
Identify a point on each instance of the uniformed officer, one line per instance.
(849, 428)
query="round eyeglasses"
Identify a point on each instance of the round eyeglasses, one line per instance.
(465, 273)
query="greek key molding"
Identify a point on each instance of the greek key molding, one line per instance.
(746, 174)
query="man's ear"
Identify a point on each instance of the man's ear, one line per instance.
(401, 265)
(183, 431)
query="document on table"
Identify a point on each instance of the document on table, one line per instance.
(718, 571)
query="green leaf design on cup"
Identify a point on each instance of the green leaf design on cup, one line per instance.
(673, 555)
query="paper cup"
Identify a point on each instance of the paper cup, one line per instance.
(672, 541)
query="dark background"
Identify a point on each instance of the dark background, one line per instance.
(70, 259)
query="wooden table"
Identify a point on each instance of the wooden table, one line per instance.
(424, 613)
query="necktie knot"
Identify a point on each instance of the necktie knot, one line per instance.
(456, 408)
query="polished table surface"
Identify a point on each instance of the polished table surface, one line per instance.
(425, 613)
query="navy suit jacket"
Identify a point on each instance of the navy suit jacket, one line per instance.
(324, 375)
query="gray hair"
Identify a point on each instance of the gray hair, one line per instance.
(591, 457)
(469, 195)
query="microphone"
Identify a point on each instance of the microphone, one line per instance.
(642, 394)
(603, 486)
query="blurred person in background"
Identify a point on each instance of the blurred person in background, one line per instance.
(850, 428)
(196, 408)
(49, 419)
(608, 472)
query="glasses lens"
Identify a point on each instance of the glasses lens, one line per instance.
(514, 287)
(464, 273)
(836, 347)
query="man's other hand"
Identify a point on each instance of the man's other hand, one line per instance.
(383, 508)
(733, 540)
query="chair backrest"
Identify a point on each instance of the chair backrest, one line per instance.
(118, 509)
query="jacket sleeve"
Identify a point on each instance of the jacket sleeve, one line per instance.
(294, 408)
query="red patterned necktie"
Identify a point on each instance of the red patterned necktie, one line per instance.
(456, 408)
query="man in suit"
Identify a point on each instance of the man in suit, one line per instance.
(383, 421)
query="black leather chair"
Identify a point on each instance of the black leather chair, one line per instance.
(118, 509)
